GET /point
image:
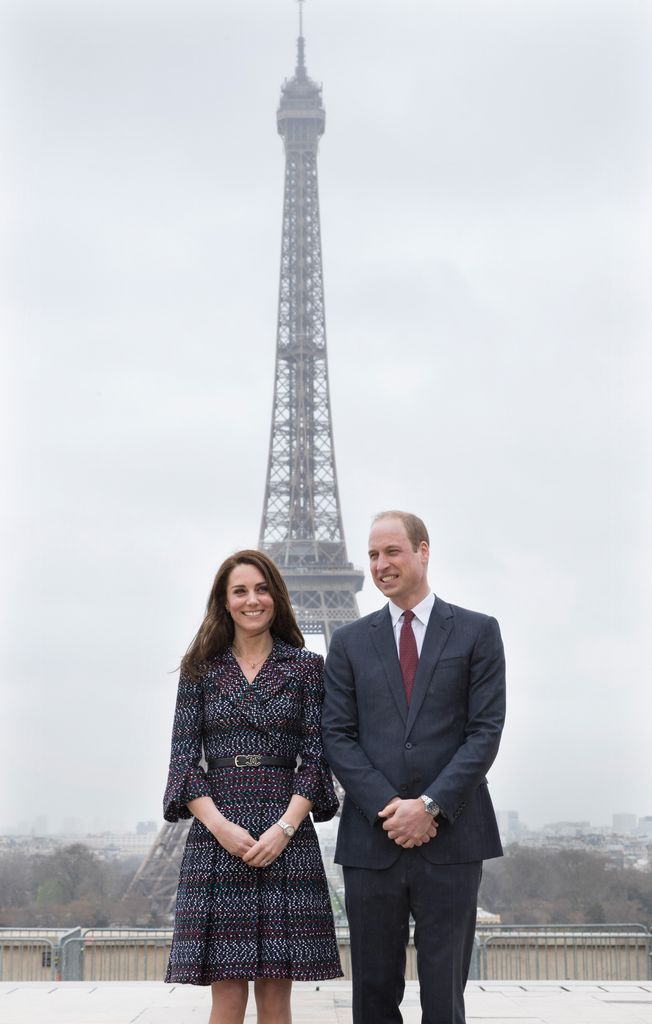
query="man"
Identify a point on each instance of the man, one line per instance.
(412, 719)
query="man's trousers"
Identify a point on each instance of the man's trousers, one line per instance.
(442, 899)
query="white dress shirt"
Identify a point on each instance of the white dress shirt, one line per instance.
(419, 622)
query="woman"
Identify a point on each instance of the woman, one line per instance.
(253, 900)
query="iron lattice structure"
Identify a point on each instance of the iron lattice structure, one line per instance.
(152, 892)
(302, 521)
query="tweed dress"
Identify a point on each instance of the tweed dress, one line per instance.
(232, 920)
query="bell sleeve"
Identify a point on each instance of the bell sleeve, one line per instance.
(186, 780)
(313, 778)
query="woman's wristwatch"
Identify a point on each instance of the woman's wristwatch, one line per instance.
(285, 827)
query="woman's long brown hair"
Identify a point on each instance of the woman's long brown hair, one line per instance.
(216, 631)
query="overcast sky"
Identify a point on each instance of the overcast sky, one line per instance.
(485, 202)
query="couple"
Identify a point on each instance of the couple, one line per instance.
(411, 704)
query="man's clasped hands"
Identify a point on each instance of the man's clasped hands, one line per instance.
(408, 822)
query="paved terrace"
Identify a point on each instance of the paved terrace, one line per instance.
(493, 1002)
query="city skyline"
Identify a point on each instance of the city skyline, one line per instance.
(40, 826)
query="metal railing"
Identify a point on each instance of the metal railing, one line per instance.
(31, 954)
(611, 952)
(117, 954)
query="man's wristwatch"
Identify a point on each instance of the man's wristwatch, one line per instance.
(430, 805)
(288, 829)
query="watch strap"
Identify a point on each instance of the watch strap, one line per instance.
(286, 827)
(430, 805)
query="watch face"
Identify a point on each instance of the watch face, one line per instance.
(289, 830)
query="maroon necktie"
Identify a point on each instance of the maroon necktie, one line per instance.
(408, 656)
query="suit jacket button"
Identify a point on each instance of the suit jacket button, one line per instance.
(408, 746)
(403, 788)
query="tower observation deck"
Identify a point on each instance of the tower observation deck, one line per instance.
(301, 525)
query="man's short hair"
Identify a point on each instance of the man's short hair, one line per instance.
(414, 527)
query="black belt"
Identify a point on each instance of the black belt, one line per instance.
(251, 761)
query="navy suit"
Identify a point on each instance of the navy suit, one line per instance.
(441, 745)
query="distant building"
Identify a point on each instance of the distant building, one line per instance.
(120, 844)
(567, 828)
(107, 845)
(145, 828)
(623, 823)
(486, 917)
(509, 826)
(28, 844)
(72, 826)
(645, 825)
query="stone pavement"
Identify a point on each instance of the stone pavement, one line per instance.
(136, 1002)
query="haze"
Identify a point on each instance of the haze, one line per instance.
(485, 200)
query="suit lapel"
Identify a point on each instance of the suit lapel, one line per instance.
(440, 625)
(382, 637)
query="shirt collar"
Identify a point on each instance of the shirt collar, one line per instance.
(421, 610)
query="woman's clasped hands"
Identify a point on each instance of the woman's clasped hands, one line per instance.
(256, 853)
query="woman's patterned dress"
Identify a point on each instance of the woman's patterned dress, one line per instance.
(234, 921)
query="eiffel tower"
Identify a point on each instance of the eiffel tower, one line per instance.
(302, 521)
(301, 526)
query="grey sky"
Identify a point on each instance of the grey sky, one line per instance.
(485, 201)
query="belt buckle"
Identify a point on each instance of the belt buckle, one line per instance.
(248, 760)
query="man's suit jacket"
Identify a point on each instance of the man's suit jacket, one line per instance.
(442, 745)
